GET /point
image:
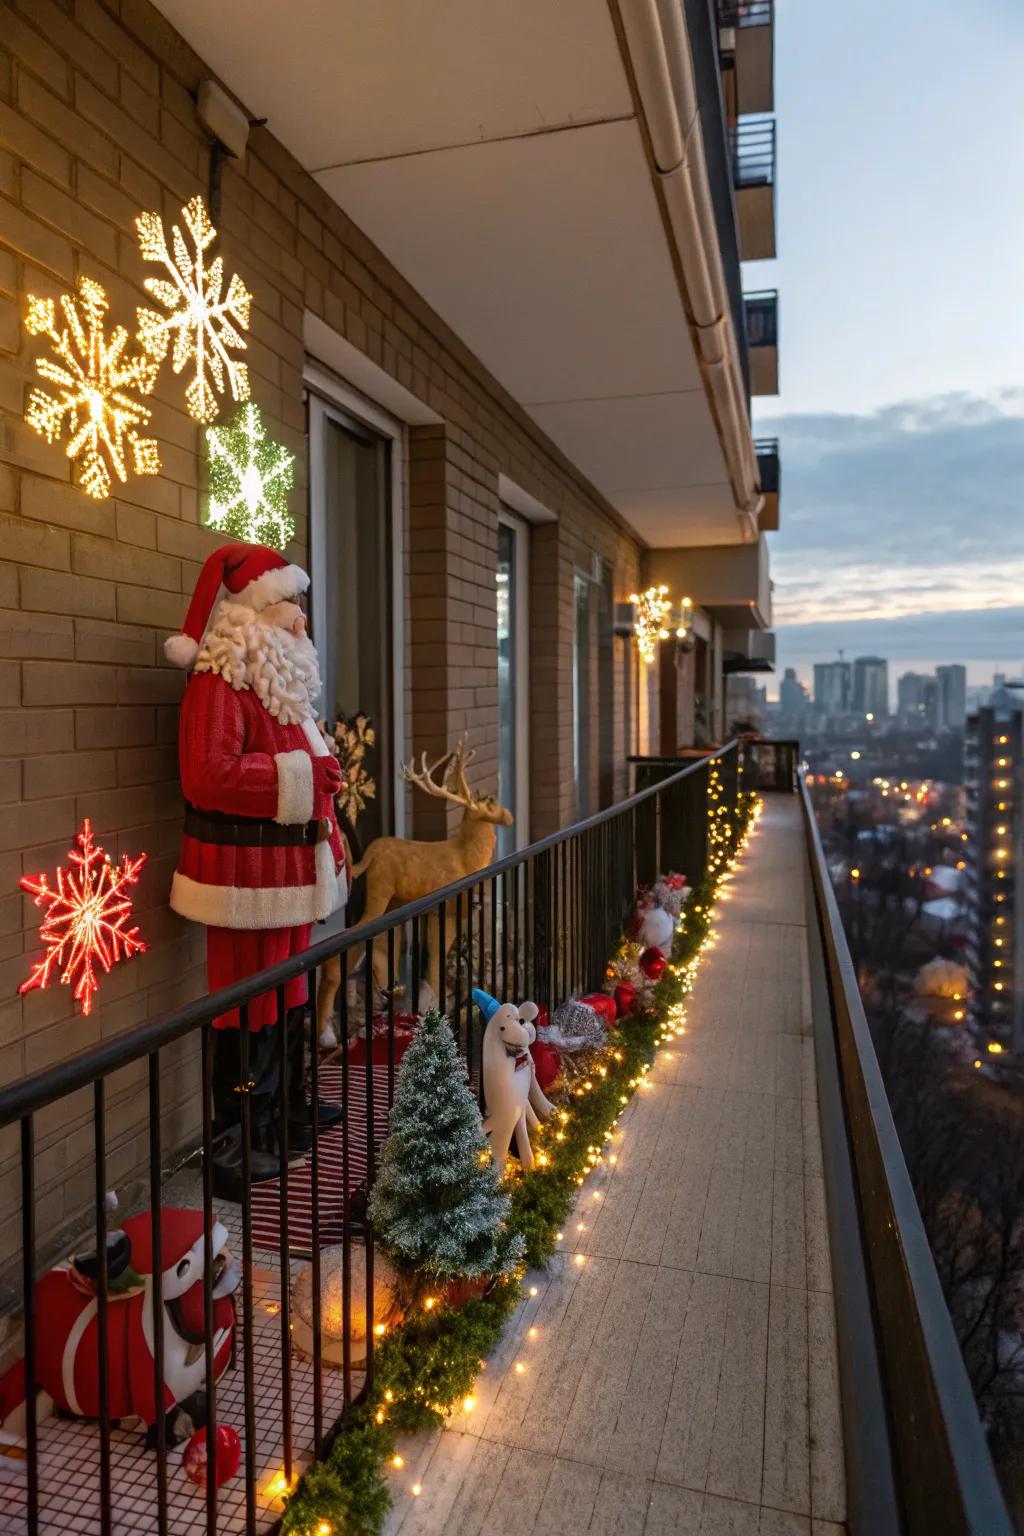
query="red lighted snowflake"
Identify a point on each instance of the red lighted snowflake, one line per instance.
(85, 919)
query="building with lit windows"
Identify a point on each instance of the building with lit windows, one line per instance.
(993, 773)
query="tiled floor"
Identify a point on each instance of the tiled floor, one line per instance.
(682, 1378)
(69, 1451)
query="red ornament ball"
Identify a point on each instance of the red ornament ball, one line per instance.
(227, 1455)
(603, 1006)
(652, 962)
(625, 998)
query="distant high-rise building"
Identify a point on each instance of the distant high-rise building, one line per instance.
(793, 700)
(994, 782)
(951, 710)
(832, 687)
(870, 686)
(911, 696)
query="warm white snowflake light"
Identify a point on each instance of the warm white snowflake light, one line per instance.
(206, 322)
(97, 388)
(250, 477)
(653, 607)
(86, 918)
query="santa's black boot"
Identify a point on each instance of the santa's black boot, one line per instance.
(300, 1126)
(227, 1153)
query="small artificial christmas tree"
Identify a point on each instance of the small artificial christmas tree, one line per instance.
(437, 1205)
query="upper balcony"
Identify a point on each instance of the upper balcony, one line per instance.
(762, 312)
(741, 1326)
(746, 31)
(770, 469)
(752, 143)
(732, 582)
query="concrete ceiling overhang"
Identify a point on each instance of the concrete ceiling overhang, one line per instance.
(494, 155)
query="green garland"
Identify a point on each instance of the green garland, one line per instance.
(430, 1363)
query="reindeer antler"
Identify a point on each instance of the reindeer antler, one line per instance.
(452, 763)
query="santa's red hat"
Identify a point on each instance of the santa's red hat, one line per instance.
(181, 1244)
(251, 573)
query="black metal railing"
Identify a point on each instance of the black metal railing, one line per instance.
(745, 13)
(917, 1461)
(762, 317)
(540, 923)
(769, 469)
(752, 146)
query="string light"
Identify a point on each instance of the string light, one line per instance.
(86, 918)
(652, 608)
(205, 322)
(250, 477)
(98, 385)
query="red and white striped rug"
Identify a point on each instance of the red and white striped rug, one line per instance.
(266, 1198)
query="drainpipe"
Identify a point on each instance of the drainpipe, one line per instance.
(660, 52)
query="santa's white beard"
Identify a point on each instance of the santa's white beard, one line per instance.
(280, 668)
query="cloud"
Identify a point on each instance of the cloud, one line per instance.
(915, 508)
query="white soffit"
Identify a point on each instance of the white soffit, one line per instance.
(492, 154)
(346, 80)
(545, 254)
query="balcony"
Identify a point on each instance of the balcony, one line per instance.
(762, 314)
(747, 40)
(752, 142)
(741, 1327)
(770, 470)
(731, 582)
(748, 650)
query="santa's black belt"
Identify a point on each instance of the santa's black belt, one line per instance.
(252, 831)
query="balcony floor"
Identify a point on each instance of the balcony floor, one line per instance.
(683, 1378)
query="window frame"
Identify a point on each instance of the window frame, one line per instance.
(330, 399)
(521, 632)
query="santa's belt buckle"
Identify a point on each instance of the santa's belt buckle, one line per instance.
(323, 829)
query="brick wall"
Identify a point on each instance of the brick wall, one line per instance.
(96, 124)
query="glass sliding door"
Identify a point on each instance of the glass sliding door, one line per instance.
(581, 697)
(353, 607)
(512, 577)
(605, 687)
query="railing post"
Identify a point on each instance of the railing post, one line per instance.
(687, 852)
(542, 929)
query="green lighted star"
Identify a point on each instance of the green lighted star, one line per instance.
(250, 477)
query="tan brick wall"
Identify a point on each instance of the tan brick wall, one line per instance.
(97, 123)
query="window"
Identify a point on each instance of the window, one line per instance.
(606, 686)
(354, 609)
(581, 698)
(513, 680)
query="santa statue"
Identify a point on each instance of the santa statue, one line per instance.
(262, 857)
(66, 1300)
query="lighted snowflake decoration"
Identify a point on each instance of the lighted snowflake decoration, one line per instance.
(205, 322)
(96, 389)
(250, 477)
(86, 918)
(651, 610)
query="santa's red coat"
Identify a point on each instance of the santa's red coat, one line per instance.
(235, 758)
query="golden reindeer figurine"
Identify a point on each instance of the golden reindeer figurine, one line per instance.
(399, 870)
